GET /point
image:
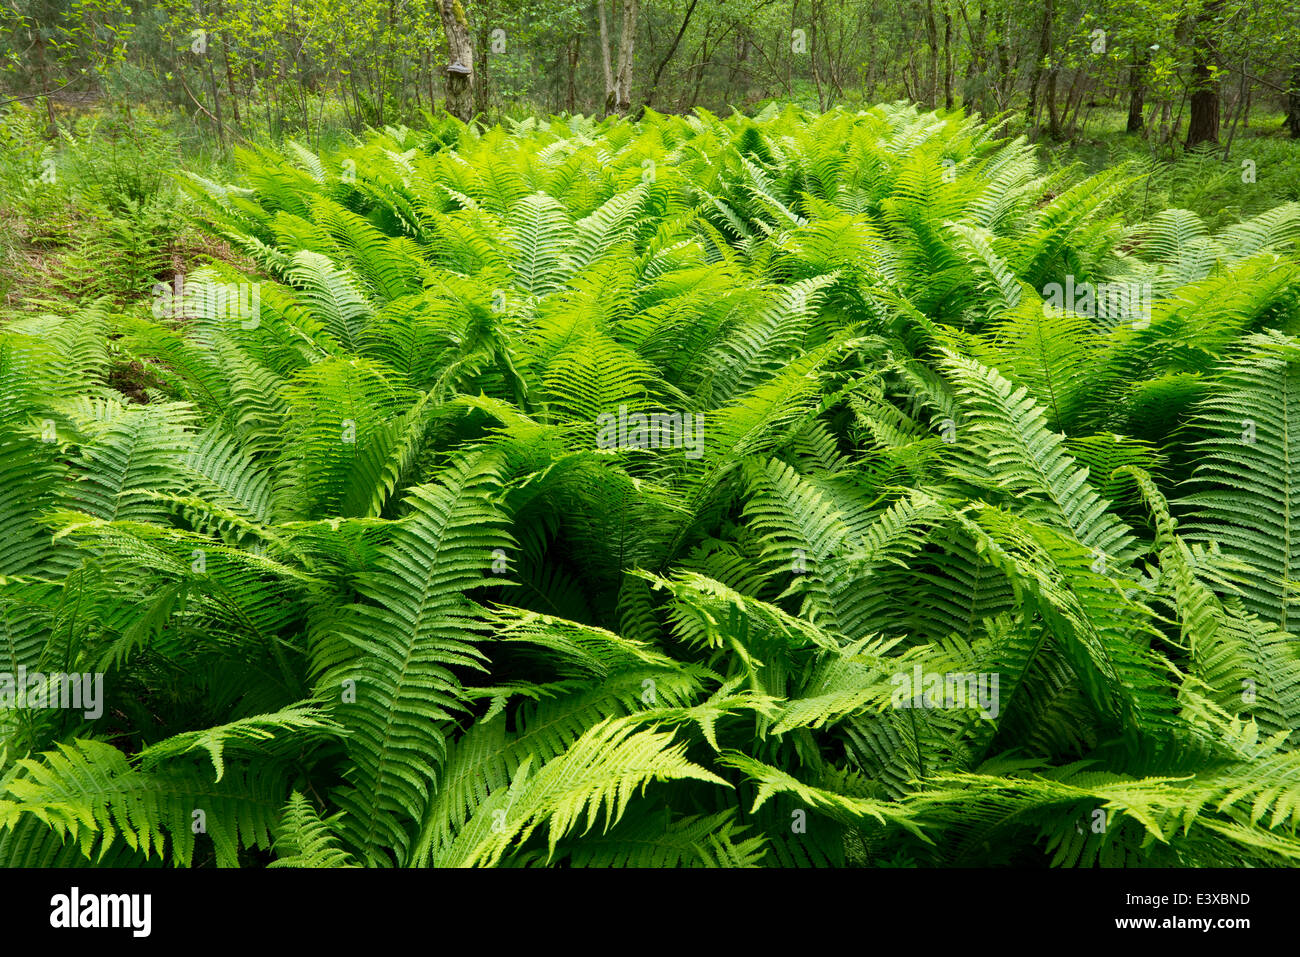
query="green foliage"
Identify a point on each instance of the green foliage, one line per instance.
(375, 577)
(97, 210)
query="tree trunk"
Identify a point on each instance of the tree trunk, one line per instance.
(1073, 103)
(1293, 103)
(1044, 49)
(947, 59)
(481, 76)
(1053, 120)
(932, 56)
(975, 64)
(1003, 85)
(654, 81)
(626, 41)
(734, 74)
(1203, 123)
(1237, 107)
(230, 81)
(216, 100)
(1137, 81)
(42, 72)
(460, 54)
(812, 59)
(575, 48)
(611, 92)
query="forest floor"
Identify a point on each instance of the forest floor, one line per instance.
(99, 212)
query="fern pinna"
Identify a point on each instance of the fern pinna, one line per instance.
(609, 493)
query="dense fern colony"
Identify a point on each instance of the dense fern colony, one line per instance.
(787, 491)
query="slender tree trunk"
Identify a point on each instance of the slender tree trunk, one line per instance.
(481, 76)
(419, 81)
(789, 61)
(672, 48)
(460, 54)
(699, 74)
(1044, 49)
(1177, 122)
(1242, 100)
(433, 86)
(812, 56)
(932, 56)
(1009, 65)
(42, 73)
(230, 83)
(1073, 103)
(947, 58)
(1053, 119)
(571, 97)
(1004, 73)
(975, 32)
(216, 98)
(611, 92)
(385, 63)
(735, 73)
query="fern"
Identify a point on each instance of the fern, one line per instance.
(369, 585)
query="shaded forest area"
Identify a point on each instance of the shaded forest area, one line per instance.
(1196, 71)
